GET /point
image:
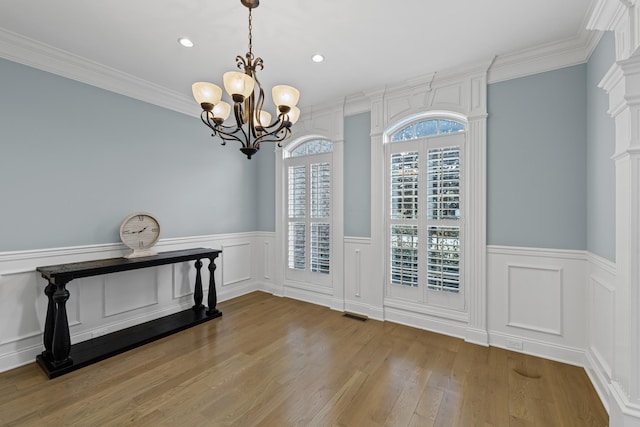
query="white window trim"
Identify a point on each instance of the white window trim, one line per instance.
(463, 93)
(445, 304)
(323, 124)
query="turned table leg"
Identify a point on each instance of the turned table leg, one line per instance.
(61, 343)
(197, 292)
(212, 299)
(50, 321)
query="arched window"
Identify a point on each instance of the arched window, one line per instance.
(426, 128)
(314, 146)
(309, 180)
(425, 222)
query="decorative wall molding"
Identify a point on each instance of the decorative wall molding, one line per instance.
(130, 291)
(622, 84)
(606, 15)
(100, 305)
(547, 57)
(20, 49)
(538, 286)
(32, 53)
(600, 327)
(577, 255)
(584, 272)
(537, 301)
(239, 256)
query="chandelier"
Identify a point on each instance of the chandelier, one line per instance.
(253, 125)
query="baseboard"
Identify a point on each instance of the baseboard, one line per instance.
(477, 336)
(365, 310)
(545, 350)
(428, 323)
(622, 413)
(598, 379)
(325, 300)
(21, 357)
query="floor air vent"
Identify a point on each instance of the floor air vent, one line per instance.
(355, 316)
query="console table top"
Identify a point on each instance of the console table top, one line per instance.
(76, 270)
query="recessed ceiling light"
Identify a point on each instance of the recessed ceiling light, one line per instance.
(185, 42)
(317, 58)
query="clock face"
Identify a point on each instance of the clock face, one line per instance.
(139, 231)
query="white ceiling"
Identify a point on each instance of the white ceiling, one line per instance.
(367, 44)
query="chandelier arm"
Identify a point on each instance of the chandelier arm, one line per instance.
(277, 135)
(241, 63)
(279, 121)
(224, 136)
(228, 136)
(205, 116)
(252, 112)
(220, 130)
(237, 111)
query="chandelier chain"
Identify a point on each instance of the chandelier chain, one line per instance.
(250, 37)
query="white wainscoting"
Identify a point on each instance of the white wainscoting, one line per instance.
(550, 303)
(103, 304)
(554, 304)
(537, 301)
(599, 353)
(362, 291)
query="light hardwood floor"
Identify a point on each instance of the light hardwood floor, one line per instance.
(273, 361)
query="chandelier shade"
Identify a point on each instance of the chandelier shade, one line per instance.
(206, 93)
(222, 110)
(237, 83)
(285, 96)
(294, 115)
(253, 125)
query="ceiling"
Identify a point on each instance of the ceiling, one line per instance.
(366, 44)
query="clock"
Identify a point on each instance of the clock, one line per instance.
(140, 231)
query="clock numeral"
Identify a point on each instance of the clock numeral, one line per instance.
(140, 218)
(155, 230)
(140, 244)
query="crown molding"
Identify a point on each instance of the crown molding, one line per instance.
(547, 57)
(32, 53)
(606, 14)
(16, 48)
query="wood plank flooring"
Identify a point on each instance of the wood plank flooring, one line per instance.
(272, 361)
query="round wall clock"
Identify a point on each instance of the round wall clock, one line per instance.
(140, 231)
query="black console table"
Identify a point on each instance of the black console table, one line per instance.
(60, 357)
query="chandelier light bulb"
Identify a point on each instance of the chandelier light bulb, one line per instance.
(294, 115)
(237, 83)
(222, 110)
(206, 93)
(284, 95)
(263, 119)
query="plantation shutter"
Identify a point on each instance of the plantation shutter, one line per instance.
(309, 184)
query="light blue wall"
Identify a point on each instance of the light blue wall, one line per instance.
(536, 160)
(601, 178)
(266, 188)
(357, 175)
(75, 160)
